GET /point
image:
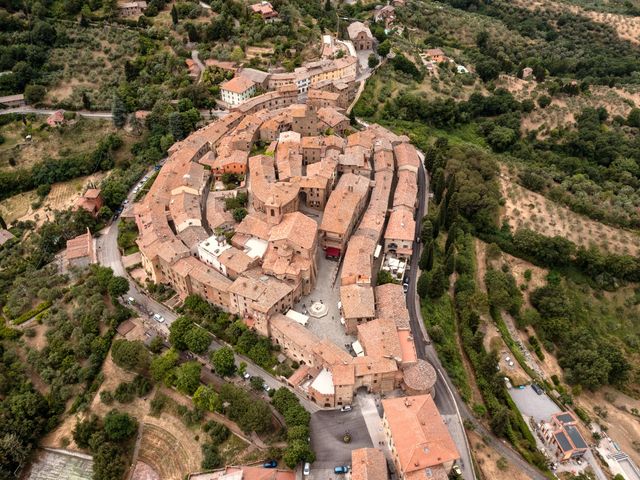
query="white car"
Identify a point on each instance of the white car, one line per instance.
(307, 469)
(158, 318)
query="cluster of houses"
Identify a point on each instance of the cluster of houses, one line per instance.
(327, 74)
(301, 154)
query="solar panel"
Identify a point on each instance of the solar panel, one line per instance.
(576, 438)
(563, 441)
(565, 418)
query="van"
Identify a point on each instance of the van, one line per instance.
(307, 469)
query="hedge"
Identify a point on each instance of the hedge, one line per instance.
(31, 313)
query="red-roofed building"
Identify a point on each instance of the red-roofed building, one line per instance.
(91, 201)
(420, 443)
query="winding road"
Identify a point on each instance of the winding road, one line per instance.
(447, 399)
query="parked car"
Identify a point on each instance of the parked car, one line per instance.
(270, 464)
(537, 389)
(266, 388)
(405, 287)
(345, 408)
(456, 470)
(246, 376)
(158, 318)
(341, 469)
(307, 469)
(131, 300)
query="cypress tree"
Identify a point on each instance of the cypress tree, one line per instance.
(438, 282)
(451, 237)
(426, 231)
(423, 283)
(426, 257)
(174, 15)
(119, 111)
(437, 185)
(450, 261)
(452, 211)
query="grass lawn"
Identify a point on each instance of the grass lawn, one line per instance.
(127, 235)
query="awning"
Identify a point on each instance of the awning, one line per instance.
(332, 252)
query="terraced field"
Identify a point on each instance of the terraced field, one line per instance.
(527, 209)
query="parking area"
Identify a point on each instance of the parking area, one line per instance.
(530, 404)
(327, 431)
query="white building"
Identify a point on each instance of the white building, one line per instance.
(237, 90)
(210, 250)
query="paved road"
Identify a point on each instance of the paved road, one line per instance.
(48, 111)
(449, 402)
(94, 115)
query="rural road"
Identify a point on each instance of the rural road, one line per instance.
(49, 111)
(449, 402)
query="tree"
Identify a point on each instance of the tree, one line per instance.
(108, 462)
(119, 111)
(384, 276)
(633, 119)
(426, 231)
(34, 94)
(237, 54)
(239, 214)
(298, 452)
(130, 355)
(174, 15)
(373, 60)
(257, 383)
(84, 430)
(188, 377)
(502, 138)
(118, 286)
(210, 456)
(488, 69)
(119, 426)
(163, 367)
(86, 101)
(207, 399)
(198, 340)
(426, 257)
(437, 185)
(257, 418)
(178, 332)
(156, 344)
(438, 282)
(223, 362)
(384, 48)
(13, 453)
(423, 282)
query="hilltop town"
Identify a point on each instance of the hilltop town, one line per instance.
(319, 240)
(319, 195)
